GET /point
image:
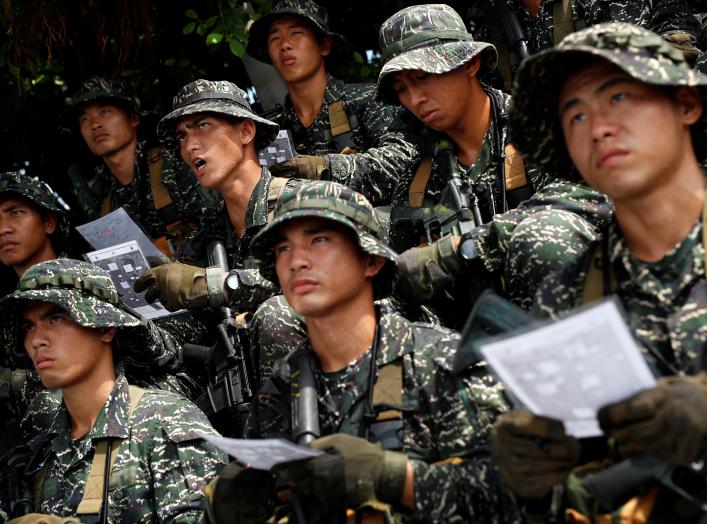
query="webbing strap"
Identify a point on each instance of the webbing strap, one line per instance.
(388, 389)
(562, 19)
(419, 182)
(515, 169)
(338, 119)
(275, 191)
(95, 482)
(160, 194)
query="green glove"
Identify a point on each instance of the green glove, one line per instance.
(182, 286)
(351, 472)
(303, 166)
(668, 421)
(532, 453)
(240, 495)
(424, 271)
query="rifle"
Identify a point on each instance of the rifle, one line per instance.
(226, 401)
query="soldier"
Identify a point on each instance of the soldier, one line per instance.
(113, 451)
(156, 190)
(624, 109)
(393, 412)
(326, 116)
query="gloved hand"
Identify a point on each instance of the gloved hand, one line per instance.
(39, 518)
(303, 166)
(685, 43)
(668, 421)
(423, 271)
(532, 453)
(240, 495)
(351, 472)
(180, 285)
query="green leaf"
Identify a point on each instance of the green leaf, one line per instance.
(190, 13)
(189, 28)
(214, 38)
(358, 57)
(236, 48)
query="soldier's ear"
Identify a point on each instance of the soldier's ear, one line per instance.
(50, 222)
(135, 120)
(689, 101)
(108, 334)
(375, 264)
(472, 66)
(247, 131)
(325, 45)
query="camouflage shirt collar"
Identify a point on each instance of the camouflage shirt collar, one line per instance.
(257, 212)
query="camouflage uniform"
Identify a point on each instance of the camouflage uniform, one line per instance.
(381, 152)
(162, 462)
(435, 56)
(664, 300)
(445, 415)
(188, 198)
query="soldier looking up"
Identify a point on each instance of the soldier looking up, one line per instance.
(623, 108)
(386, 399)
(156, 190)
(143, 446)
(326, 116)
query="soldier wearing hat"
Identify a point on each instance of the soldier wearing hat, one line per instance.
(388, 408)
(326, 116)
(153, 187)
(218, 136)
(623, 108)
(113, 451)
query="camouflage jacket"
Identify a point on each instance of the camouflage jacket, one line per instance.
(449, 416)
(382, 153)
(484, 172)
(188, 197)
(160, 468)
(215, 225)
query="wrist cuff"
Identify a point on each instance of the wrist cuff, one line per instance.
(449, 256)
(392, 482)
(214, 286)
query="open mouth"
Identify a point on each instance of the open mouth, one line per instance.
(199, 164)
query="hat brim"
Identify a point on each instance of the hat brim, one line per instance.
(435, 59)
(533, 118)
(84, 309)
(265, 130)
(257, 45)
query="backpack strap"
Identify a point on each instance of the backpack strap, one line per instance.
(338, 119)
(275, 192)
(160, 193)
(562, 19)
(514, 172)
(416, 194)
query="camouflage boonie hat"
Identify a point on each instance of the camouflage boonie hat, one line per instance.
(431, 38)
(38, 192)
(317, 16)
(643, 55)
(214, 96)
(86, 292)
(97, 88)
(336, 202)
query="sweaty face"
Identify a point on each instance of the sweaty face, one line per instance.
(295, 50)
(212, 146)
(106, 128)
(625, 137)
(63, 353)
(321, 268)
(439, 101)
(24, 233)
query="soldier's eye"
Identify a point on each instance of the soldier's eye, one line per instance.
(281, 248)
(577, 118)
(26, 327)
(398, 88)
(617, 97)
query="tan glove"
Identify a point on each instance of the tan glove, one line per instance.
(38, 518)
(668, 421)
(533, 453)
(685, 43)
(303, 166)
(180, 286)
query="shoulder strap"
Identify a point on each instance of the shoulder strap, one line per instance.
(95, 483)
(105, 205)
(338, 119)
(160, 194)
(514, 171)
(275, 191)
(388, 389)
(562, 19)
(419, 182)
(594, 280)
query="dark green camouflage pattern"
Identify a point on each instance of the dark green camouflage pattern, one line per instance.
(214, 96)
(382, 154)
(430, 38)
(450, 416)
(316, 15)
(335, 202)
(253, 288)
(160, 468)
(189, 199)
(641, 54)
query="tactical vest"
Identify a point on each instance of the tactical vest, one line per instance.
(95, 496)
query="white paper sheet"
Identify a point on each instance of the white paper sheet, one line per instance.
(262, 453)
(568, 369)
